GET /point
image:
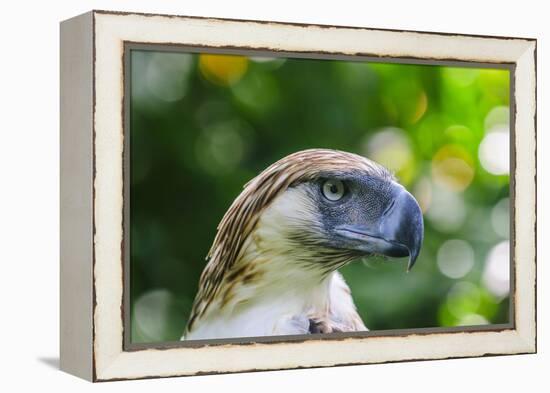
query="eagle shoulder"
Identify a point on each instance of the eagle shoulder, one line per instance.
(338, 315)
(341, 315)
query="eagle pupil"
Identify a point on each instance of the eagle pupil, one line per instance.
(334, 189)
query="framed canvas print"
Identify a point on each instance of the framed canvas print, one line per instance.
(244, 195)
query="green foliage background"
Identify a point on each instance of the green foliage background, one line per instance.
(201, 127)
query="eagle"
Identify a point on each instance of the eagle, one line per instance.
(273, 266)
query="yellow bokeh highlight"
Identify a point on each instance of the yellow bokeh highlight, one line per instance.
(452, 168)
(391, 148)
(421, 107)
(223, 70)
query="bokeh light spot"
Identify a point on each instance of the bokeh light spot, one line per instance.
(463, 299)
(391, 148)
(460, 77)
(496, 275)
(447, 210)
(257, 91)
(452, 168)
(494, 151)
(455, 258)
(421, 107)
(460, 134)
(167, 75)
(151, 313)
(499, 115)
(472, 320)
(272, 63)
(214, 144)
(222, 70)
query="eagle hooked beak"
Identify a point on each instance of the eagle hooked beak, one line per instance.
(398, 232)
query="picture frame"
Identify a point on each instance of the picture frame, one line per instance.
(94, 286)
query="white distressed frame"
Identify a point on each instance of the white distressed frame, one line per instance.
(94, 42)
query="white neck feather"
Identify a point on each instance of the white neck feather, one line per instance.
(282, 293)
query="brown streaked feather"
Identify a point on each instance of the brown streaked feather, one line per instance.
(242, 216)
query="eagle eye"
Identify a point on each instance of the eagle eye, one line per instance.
(333, 189)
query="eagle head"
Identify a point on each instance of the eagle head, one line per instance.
(300, 220)
(342, 212)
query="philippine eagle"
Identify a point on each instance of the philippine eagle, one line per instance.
(273, 266)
